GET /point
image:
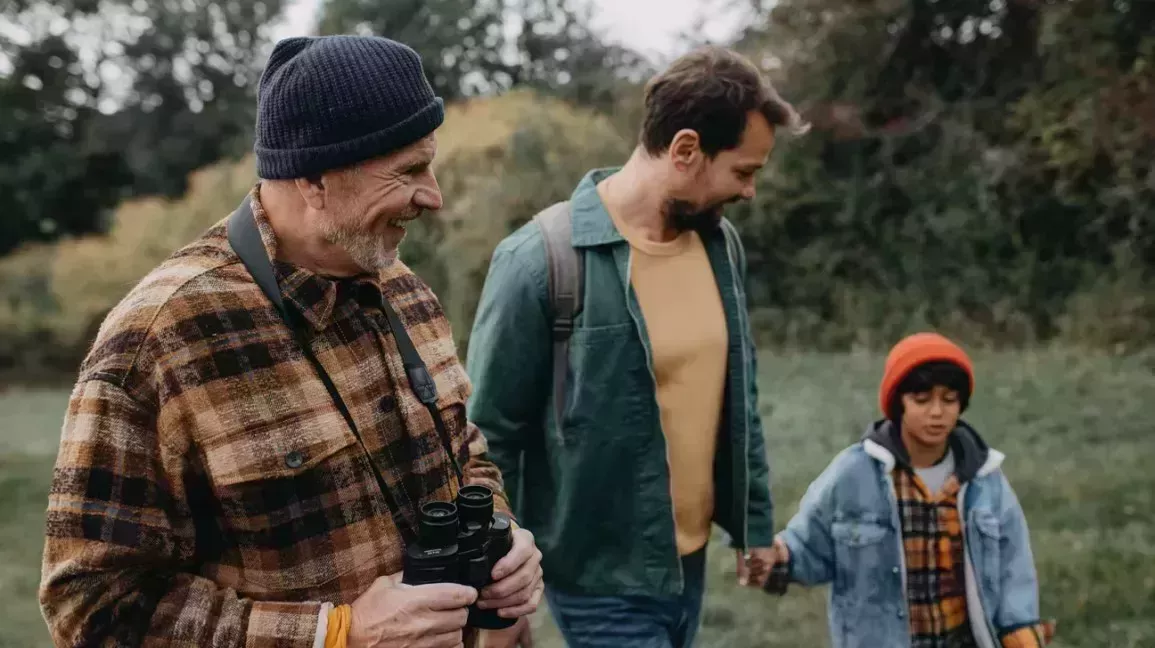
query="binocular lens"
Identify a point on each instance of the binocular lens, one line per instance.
(438, 524)
(475, 504)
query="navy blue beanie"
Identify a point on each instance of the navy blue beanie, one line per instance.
(331, 101)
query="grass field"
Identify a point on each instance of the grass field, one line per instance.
(1077, 431)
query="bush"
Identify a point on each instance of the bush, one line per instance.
(498, 161)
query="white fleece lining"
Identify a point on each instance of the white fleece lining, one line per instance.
(979, 625)
(322, 625)
(881, 454)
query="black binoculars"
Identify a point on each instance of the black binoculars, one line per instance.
(460, 542)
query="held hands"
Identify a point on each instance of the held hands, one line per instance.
(754, 567)
(391, 614)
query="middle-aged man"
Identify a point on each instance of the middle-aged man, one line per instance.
(214, 486)
(656, 432)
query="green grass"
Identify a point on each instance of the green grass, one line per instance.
(29, 433)
(1077, 430)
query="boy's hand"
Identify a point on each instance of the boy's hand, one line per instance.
(782, 551)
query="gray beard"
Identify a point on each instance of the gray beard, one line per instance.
(366, 251)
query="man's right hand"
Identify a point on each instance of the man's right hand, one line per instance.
(393, 615)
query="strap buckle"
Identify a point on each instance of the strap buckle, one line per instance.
(422, 384)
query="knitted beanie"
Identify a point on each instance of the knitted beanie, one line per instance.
(913, 351)
(328, 102)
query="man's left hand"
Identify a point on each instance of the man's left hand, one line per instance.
(755, 570)
(517, 585)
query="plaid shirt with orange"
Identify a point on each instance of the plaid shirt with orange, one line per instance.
(207, 490)
(932, 542)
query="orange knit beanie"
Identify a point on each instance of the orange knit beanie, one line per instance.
(912, 351)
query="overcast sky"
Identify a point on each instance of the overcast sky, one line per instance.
(649, 26)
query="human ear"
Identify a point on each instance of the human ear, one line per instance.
(312, 190)
(685, 149)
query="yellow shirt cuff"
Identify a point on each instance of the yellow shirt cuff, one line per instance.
(340, 618)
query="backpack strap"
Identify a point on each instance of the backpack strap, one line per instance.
(566, 272)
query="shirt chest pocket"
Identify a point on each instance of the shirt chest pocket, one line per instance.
(609, 389)
(283, 489)
(859, 554)
(984, 539)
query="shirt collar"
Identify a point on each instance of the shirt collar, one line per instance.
(314, 297)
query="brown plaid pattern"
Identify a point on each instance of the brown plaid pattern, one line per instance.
(207, 490)
(933, 547)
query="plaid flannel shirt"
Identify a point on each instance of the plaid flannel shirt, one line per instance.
(207, 490)
(932, 542)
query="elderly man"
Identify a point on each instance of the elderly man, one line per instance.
(242, 463)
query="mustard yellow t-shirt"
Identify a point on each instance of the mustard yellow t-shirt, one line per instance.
(686, 324)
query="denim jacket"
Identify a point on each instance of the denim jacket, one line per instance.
(847, 533)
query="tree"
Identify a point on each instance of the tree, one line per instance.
(474, 47)
(974, 165)
(104, 99)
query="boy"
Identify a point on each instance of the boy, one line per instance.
(916, 526)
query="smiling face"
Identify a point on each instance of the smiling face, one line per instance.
(702, 185)
(368, 206)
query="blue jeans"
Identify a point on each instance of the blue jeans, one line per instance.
(633, 621)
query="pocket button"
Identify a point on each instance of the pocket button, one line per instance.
(294, 459)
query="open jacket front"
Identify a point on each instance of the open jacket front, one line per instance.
(595, 490)
(847, 533)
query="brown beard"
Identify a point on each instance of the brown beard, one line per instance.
(684, 216)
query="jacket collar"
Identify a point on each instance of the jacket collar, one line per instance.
(314, 297)
(592, 224)
(973, 457)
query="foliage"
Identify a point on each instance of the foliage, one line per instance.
(474, 47)
(498, 161)
(105, 99)
(978, 167)
(975, 166)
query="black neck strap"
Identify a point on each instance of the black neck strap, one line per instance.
(245, 239)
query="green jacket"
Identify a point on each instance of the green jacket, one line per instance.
(596, 494)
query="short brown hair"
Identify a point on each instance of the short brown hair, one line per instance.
(710, 90)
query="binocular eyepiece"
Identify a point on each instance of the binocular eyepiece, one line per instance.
(460, 542)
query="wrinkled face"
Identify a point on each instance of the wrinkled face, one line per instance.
(703, 186)
(367, 207)
(928, 417)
